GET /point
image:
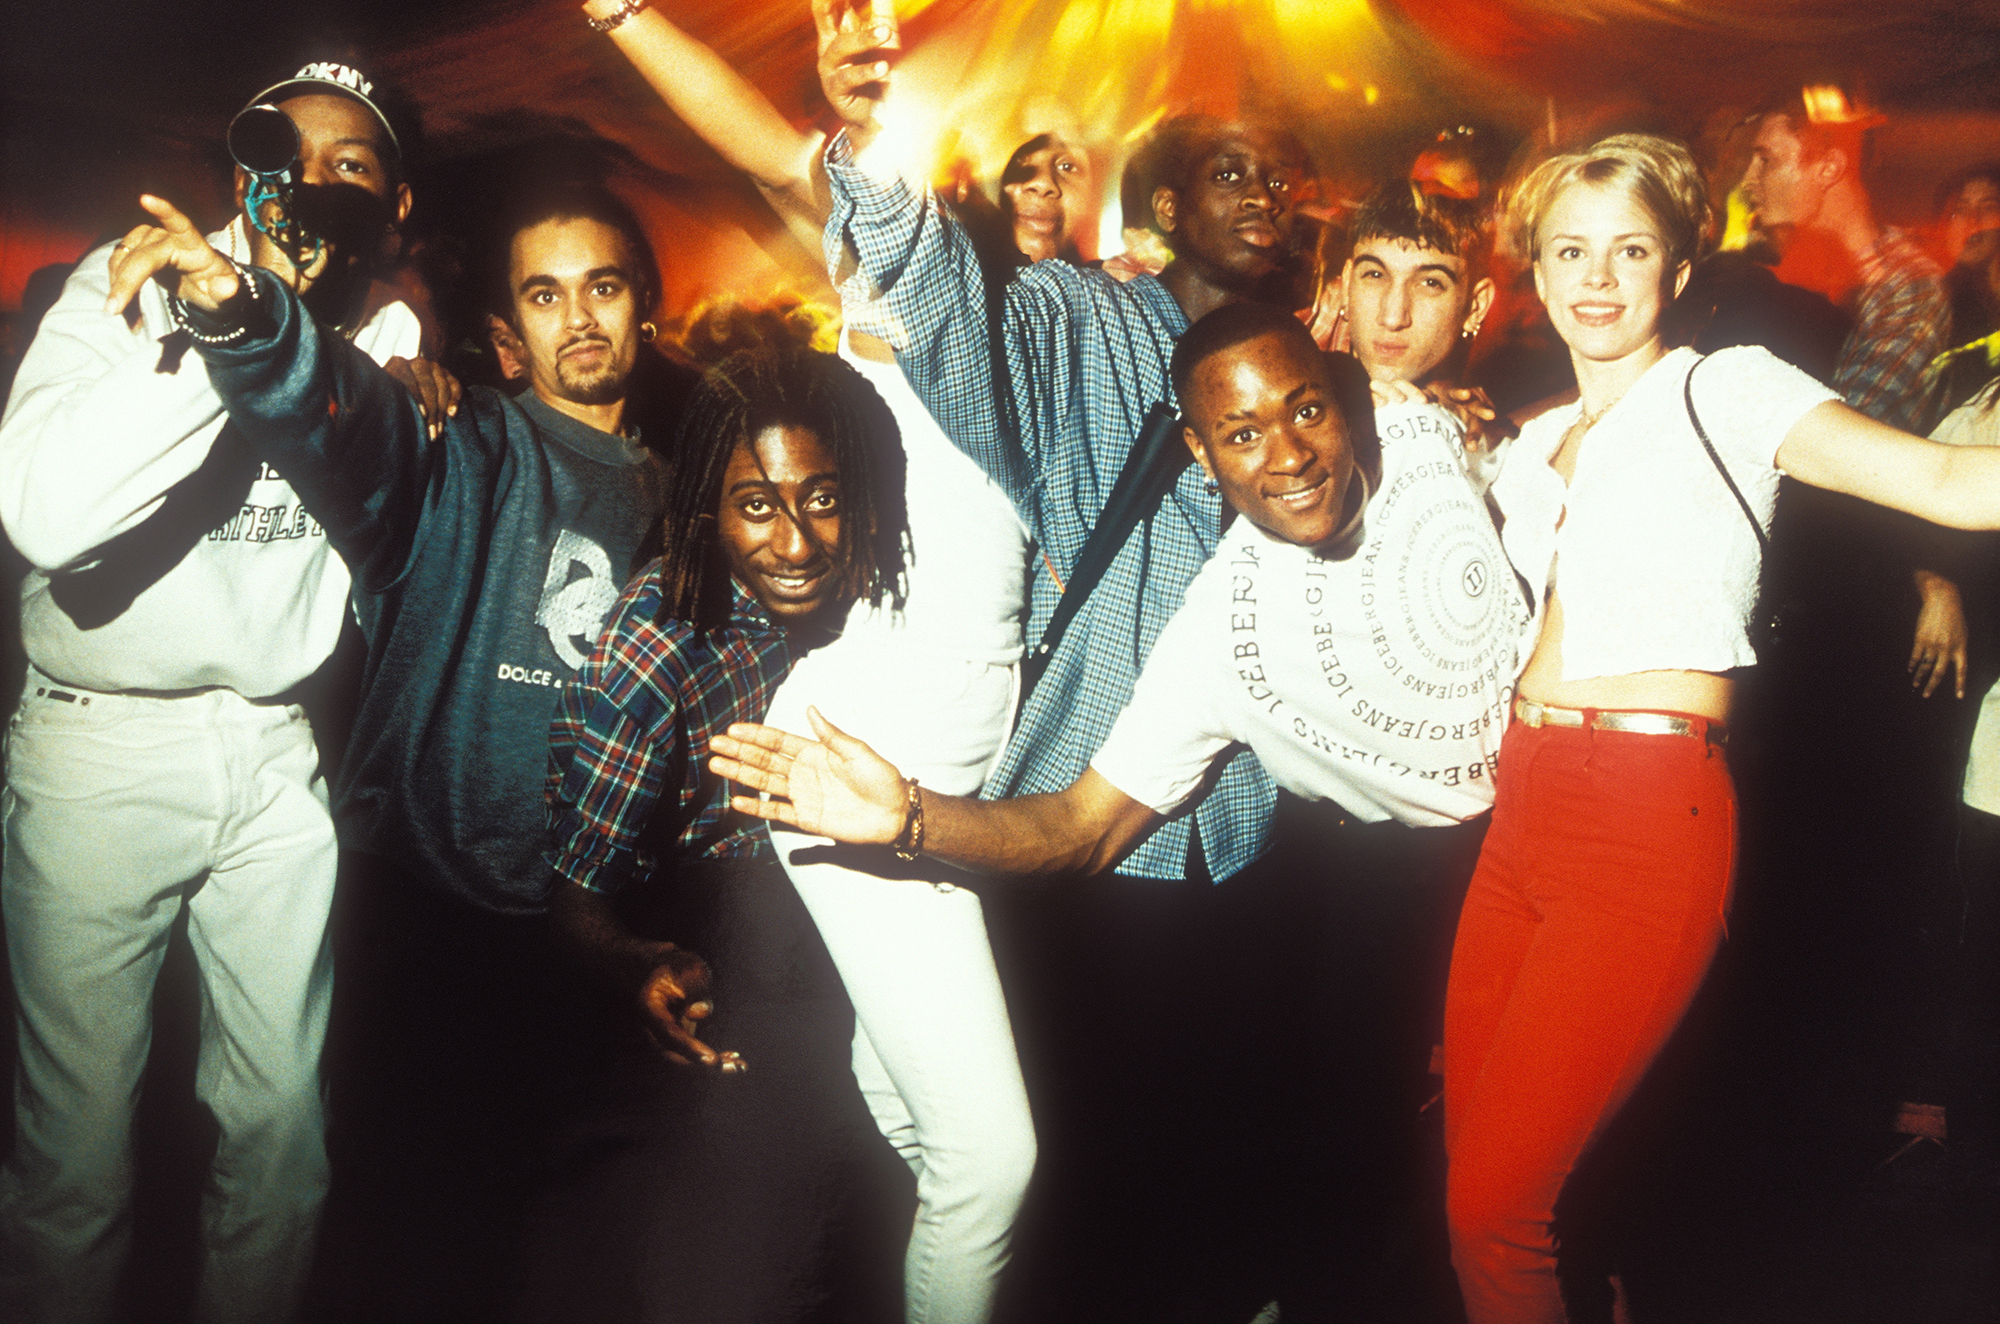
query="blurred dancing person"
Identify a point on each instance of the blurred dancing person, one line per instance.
(1874, 612)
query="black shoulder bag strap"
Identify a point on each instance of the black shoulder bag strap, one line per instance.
(1150, 471)
(1687, 393)
(1764, 627)
(129, 563)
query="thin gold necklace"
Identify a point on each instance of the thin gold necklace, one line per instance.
(1587, 420)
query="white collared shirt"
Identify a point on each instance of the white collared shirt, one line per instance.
(1658, 564)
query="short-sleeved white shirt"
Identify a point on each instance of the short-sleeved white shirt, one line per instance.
(1379, 680)
(1658, 564)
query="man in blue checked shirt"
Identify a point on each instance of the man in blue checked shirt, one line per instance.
(1084, 358)
(1050, 402)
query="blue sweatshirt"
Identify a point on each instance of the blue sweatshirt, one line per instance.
(485, 564)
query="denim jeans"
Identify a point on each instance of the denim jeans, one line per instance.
(120, 810)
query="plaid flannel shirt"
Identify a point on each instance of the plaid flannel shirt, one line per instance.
(1901, 323)
(630, 739)
(1081, 359)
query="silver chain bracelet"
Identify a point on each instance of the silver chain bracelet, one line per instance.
(625, 11)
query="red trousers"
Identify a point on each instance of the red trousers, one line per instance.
(1596, 908)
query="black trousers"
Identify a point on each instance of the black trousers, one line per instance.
(1229, 1080)
(769, 1197)
(460, 1040)
(1360, 919)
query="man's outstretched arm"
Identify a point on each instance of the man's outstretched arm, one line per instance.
(836, 786)
(346, 435)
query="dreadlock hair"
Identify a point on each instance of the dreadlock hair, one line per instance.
(736, 400)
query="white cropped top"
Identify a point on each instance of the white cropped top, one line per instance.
(1659, 566)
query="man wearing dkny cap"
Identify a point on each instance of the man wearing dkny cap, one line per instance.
(179, 597)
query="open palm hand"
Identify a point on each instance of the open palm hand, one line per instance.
(834, 786)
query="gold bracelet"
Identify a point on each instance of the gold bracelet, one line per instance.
(625, 11)
(913, 825)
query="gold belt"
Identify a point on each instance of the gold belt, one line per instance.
(1531, 713)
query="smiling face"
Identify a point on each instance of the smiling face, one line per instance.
(576, 310)
(1048, 193)
(1601, 271)
(1263, 421)
(1408, 305)
(1232, 217)
(780, 521)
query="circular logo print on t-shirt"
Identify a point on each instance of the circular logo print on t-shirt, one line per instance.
(1431, 561)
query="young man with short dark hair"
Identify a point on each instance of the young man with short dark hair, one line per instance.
(180, 599)
(1415, 288)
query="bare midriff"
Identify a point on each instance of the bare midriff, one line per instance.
(1701, 693)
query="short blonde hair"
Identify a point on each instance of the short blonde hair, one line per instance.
(1657, 173)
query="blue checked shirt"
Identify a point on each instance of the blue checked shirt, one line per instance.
(628, 751)
(1081, 359)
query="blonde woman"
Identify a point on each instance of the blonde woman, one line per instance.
(1601, 892)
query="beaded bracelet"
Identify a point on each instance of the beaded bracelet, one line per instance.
(625, 11)
(245, 296)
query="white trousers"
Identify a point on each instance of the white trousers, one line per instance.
(933, 1049)
(118, 811)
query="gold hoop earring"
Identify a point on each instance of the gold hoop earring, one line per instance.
(647, 331)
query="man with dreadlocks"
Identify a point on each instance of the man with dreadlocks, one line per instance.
(484, 564)
(785, 508)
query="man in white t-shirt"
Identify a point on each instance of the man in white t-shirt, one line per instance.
(1357, 629)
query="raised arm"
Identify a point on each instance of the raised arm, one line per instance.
(1835, 447)
(906, 269)
(836, 786)
(726, 112)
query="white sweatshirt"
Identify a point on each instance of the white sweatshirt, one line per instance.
(94, 436)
